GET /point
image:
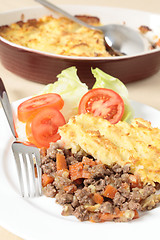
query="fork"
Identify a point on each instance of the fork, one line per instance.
(27, 155)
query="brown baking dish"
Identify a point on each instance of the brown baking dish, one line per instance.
(43, 67)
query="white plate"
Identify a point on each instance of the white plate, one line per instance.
(40, 218)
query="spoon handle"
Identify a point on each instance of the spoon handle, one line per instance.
(7, 107)
(66, 14)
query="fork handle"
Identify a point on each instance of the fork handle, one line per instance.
(7, 107)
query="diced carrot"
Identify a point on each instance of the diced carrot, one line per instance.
(135, 181)
(61, 163)
(117, 211)
(109, 191)
(76, 171)
(46, 179)
(106, 217)
(88, 161)
(91, 219)
(95, 218)
(43, 151)
(98, 198)
(136, 214)
(70, 188)
(110, 216)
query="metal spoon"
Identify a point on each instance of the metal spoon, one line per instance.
(119, 39)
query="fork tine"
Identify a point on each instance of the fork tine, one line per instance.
(19, 171)
(39, 181)
(32, 173)
(26, 157)
(37, 161)
(26, 167)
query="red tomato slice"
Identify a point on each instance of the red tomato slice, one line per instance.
(28, 107)
(103, 102)
(42, 127)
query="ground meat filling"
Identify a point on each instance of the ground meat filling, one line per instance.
(90, 190)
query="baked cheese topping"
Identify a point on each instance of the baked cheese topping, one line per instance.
(136, 144)
(57, 35)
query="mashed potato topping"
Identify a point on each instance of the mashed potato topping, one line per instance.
(58, 35)
(137, 144)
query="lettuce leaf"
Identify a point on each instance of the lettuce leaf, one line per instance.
(71, 90)
(104, 80)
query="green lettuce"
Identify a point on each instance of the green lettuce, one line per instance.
(71, 90)
(104, 80)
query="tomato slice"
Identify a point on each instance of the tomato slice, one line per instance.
(28, 107)
(42, 127)
(103, 102)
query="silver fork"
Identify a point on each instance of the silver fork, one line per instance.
(26, 155)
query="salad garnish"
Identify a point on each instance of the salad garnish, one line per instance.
(68, 96)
